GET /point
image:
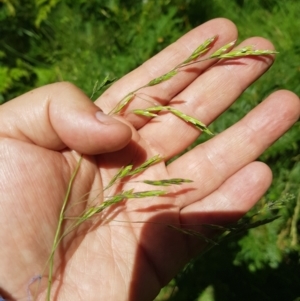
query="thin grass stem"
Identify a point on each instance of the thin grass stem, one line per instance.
(58, 229)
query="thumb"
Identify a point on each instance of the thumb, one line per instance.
(59, 116)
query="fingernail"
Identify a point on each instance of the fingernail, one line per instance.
(104, 118)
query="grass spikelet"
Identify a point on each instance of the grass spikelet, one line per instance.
(122, 173)
(169, 182)
(145, 113)
(263, 52)
(97, 87)
(204, 47)
(125, 101)
(145, 165)
(143, 194)
(245, 51)
(162, 78)
(189, 119)
(149, 111)
(222, 50)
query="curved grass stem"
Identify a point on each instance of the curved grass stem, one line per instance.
(57, 238)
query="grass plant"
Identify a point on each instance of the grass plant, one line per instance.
(126, 173)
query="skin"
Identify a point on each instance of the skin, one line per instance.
(43, 132)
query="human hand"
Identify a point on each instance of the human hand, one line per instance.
(127, 260)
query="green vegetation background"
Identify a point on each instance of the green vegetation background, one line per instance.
(44, 41)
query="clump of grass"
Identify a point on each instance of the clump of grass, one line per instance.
(127, 172)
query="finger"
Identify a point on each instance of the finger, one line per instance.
(211, 163)
(205, 99)
(236, 196)
(227, 204)
(59, 116)
(162, 63)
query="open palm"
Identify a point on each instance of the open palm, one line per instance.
(118, 256)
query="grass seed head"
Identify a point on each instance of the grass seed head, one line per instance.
(223, 49)
(162, 78)
(201, 49)
(246, 51)
(122, 173)
(145, 165)
(122, 103)
(144, 113)
(189, 119)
